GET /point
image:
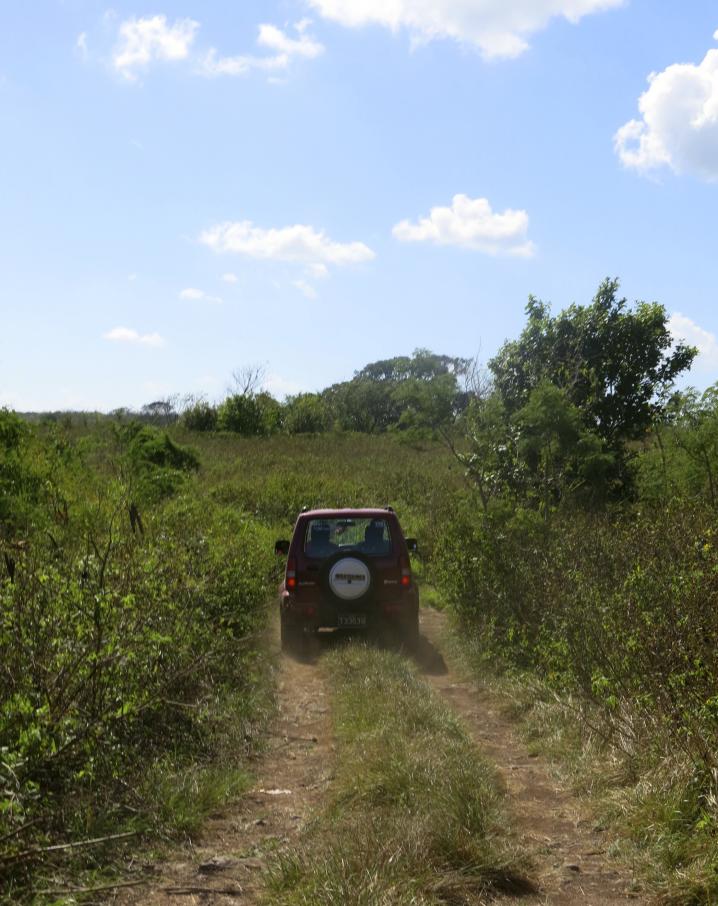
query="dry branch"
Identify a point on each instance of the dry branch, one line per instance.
(58, 847)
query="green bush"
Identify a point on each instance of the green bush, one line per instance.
(156, 464)
(20, 478)
(125, 629)
(252, 415)
(201, 416)
(613, 607)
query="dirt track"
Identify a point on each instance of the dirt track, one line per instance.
(226, 863)
(569, 853)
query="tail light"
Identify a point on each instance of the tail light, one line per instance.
(405, 573)
(291, 578)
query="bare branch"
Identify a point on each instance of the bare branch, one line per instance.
(248, 380)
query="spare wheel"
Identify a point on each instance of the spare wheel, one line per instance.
(348, 577)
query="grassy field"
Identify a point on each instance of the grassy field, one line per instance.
(134, 682)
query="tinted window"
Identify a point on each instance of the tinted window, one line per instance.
(325, 537)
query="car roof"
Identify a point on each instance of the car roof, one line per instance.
(367, 512)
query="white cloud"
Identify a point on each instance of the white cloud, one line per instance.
(684, 329)
(284, 49)
(199, 295)
(143, 41)
(299, 243)
(318, 271)
(128, 335)
(678, 127)
(499, 28)
(306, 289)
(470, 223)
(230, 278)
(81, 45)
(275, 39)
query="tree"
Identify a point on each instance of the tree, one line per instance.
(418, 391)
(251, 416)
(427, 404)
(20, 480)
(696, 433)
(491, 460)
(362, 405)
(241, 414)
(200, 416)
(557, 454)
(421, 365)
(613, 362)
(247, 380)
(305, 413)
(161, 412)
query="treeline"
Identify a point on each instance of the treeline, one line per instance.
(416, 393)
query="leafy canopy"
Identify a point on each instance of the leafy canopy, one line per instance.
(614, 362)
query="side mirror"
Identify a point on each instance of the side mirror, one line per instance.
(412, 545)
(281, 548)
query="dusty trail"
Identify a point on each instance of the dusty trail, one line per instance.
(226, 863)
(570, 855)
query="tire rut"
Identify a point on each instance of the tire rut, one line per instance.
(569, 852)
(227, 862)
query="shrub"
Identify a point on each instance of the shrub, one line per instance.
(124, 632)
(201, 416)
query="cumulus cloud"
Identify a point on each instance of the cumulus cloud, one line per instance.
(299, 243)
(684, 329)
(128, 335)
(499, 28)
(230, 278)
(470, 223)
(199, 295)
(146, 40)
(283, 49)
(678, 127)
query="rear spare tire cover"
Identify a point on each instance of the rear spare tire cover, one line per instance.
(349, 579)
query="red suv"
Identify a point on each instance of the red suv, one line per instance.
(348, 569)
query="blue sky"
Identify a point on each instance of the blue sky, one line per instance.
(311, 185)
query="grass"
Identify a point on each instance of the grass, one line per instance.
(646, 804)
(415, 815)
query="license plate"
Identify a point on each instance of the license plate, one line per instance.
(351, 620)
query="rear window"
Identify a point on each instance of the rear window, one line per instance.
(325, 537)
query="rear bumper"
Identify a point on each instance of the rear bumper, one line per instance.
(326, 614)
